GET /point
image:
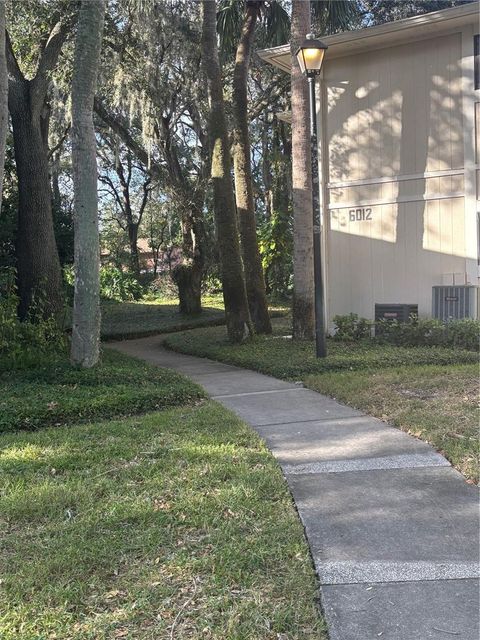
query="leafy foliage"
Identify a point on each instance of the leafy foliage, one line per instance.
(54, 393)
(30, 341)
(461, 334)
(418, 332)
(276, 247)
(273, 30)
(351, 327)
(119, 285)
(381, 11)
(332, 16)
(115, 284)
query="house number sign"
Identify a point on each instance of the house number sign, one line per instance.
(360, 215)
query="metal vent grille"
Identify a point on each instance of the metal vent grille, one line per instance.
(398, 312)
(454, 303)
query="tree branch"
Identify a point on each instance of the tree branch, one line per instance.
(47, 63)
(113, 191)
(146, 192)
(13, 67)
(59, 144)
(120, 127)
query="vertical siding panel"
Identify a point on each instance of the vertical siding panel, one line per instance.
(364, 129)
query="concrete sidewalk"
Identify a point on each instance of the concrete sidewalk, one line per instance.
(393, 529)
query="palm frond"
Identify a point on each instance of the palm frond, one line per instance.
(332, 16)
(277, 23)
(229, 24)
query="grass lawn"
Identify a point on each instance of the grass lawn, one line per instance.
(169, 524)
(124, 529)
(431, 392)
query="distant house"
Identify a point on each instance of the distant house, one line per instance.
(157, 261)
(399, 116)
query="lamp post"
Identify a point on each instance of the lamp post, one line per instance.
(310, 57)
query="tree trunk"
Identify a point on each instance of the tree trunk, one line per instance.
(266, 171)
(234, 291)
(303, 283)
(188, 275)
(38, 266)
(252, 262)
(86, 308)
(3, 96)
(132, 229)
(188, 278)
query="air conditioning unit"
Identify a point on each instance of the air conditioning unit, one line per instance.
(398, 312)
(455, 303)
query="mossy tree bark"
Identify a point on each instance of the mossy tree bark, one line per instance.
(303, 283)
(239, 326)
(38, 265)
(86, 308)
(189, 274)
(254, 276)
(3, 95)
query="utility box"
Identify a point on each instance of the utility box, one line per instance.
(455, 303)
(398, 312)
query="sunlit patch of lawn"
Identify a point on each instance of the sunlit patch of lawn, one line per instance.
(176, 523)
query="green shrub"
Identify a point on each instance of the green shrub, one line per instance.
(430, 332)
(27, 342)
(115, 284)
(351, 328)
(275, 242)
(463, 334)
(119, 285)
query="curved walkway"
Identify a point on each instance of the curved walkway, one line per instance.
(393, 529)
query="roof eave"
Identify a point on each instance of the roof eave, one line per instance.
(380, 35)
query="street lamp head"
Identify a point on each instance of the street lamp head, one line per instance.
(310, 55)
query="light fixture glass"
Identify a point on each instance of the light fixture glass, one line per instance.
(310, 55)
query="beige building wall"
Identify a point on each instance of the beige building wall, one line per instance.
(397, 217)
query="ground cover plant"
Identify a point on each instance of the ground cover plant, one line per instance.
(52, 392)
(279, 356)
(462, 333)
(137, 319)
(431, 392)
(148, 317)
(176, 524)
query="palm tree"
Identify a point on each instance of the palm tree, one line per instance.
(3, 95)
(236, 23)
(303, 300)
(233, 280)
(332, 16)
(86, 308)
(254, 277)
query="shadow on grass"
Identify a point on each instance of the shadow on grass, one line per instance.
(121, 321)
